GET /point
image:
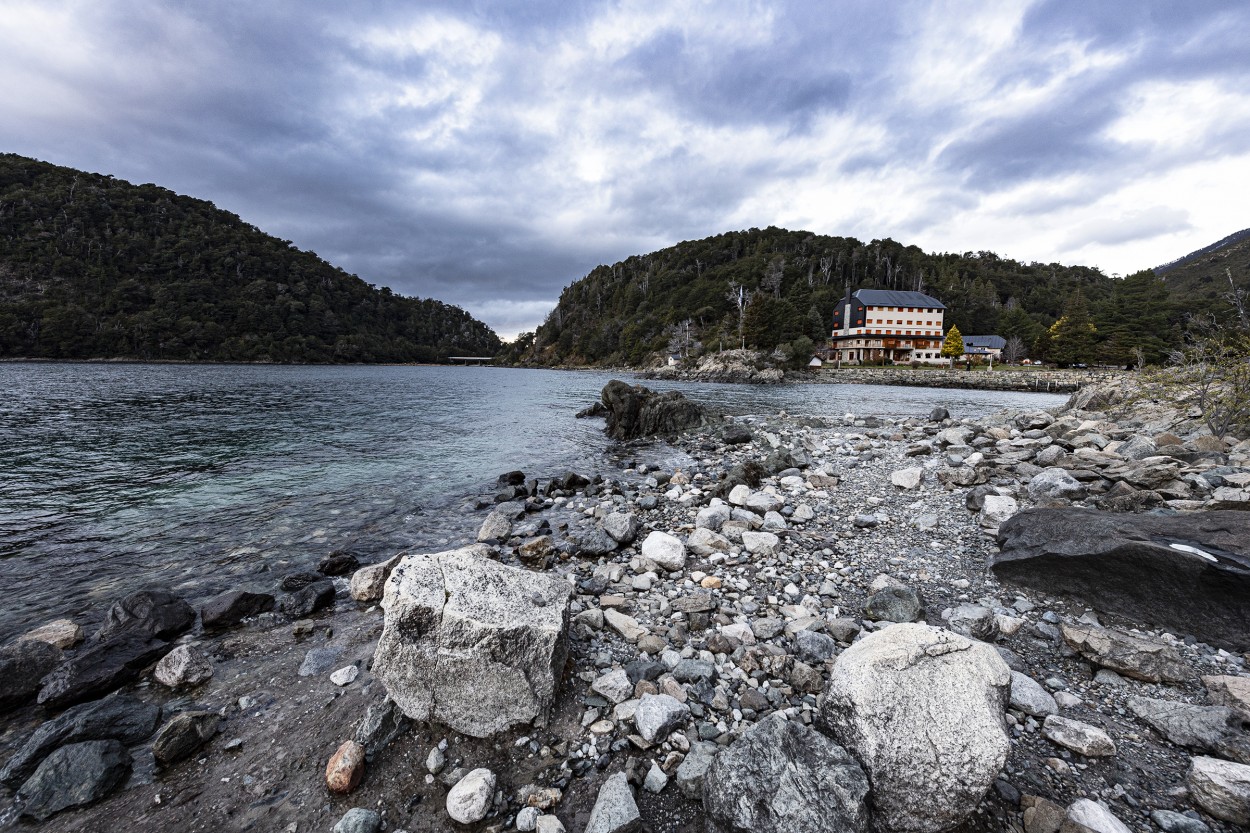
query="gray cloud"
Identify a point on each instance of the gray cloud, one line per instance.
(488, 153)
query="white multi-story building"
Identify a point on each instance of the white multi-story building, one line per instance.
(876, 324)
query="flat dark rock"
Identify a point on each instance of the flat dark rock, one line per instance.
(116, 717)
(232, 607)
(73, 776)
(1189, 573)
(156, 613)
(101, 669)
(337, 563)
(308, 600)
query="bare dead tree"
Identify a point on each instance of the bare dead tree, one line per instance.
(738, 296)
(1014, 350)
(1241, 303)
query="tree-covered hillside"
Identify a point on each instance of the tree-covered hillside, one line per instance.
(774, 288)
(771, 287)
(95, 267)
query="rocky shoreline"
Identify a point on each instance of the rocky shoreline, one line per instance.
(1014, 379)
(716, 616)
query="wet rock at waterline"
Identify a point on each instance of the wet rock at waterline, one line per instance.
(157, 613)
(116, 717)
(74, 775)
(101, 668)
(472, 643)
(22, 665)
(232, 607)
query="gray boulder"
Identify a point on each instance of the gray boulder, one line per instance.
(22, 665)
(615, 810)
(382, 723)
(73, 776)
(917, 699)
(308, 599)
(1028, 696)
(1189, 572)
(693, 769)
(1077, 736)
(622, 526)
(359, 820)
(369, 582)
(472, 643)
(496, 527)
(634, 411)
(782, 777)
(116, 717)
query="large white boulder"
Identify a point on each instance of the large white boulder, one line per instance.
(470, 642)
(922, 710)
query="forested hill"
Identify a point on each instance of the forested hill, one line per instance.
(789, 281)
(95, 267)
(1204, 276)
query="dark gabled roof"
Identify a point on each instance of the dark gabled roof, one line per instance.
(893, 298)
(992, 342)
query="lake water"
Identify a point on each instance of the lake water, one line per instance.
(118, 476)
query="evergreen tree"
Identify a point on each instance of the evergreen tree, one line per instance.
(1074, 335)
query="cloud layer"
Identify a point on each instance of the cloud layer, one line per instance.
(488, 153)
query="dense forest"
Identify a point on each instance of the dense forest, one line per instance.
(95, 267)
(774, 288)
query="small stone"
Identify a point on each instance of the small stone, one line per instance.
(63, 633)
(614, 685)
(435, 761)
(659, 714)
(548, 824)
(345, 675)
(359, 820)
(1086, 816)
(469, 801)
(656, 780)
(183, 666)
(527, 819)
(346, 768)
(1079, 737)
(183, 736)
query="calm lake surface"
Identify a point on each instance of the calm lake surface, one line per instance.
(198, 477)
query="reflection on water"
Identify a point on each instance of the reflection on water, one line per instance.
(113, 477)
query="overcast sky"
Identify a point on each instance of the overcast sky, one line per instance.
(490, 153)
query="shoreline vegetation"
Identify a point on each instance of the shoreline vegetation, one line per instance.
(708, 609)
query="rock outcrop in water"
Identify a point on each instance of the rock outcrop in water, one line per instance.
(634, 411)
